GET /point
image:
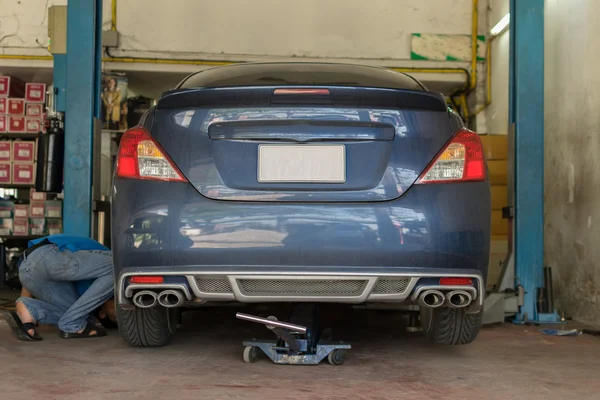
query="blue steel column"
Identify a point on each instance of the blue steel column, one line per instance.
(527, 112)
(84, 49)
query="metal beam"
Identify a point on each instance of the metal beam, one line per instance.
(83, 63)
(527, 114)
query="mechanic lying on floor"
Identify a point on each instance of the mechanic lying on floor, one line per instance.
(70, 278)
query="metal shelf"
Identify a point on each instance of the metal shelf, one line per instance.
(19, 135)
(19, 237)
(16, 186)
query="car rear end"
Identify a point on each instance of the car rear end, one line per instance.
(300, 183)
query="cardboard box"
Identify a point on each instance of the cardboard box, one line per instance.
(6, 226)
(21, 227)
(54, 226)
(23, 174)
(495, 147)
(3, 105)
(23, 151)
(15, 106)
(37, 196)
(11, 87)
(6, 209)
(21, 211)
(498, 172)
(16, 124)
(5, 150)
(37, 209)
(5, 173)
(37, 226)
(33, 125)
(53, 209)
(34, 110)
(35, 92)
(3, 124)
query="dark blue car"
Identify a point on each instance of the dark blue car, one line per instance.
(300, 182)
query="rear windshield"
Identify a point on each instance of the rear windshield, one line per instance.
(314, 74)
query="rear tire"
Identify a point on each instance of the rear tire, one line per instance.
(450, 326)
(146, 327)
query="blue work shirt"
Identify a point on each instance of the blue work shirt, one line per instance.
(73, 244)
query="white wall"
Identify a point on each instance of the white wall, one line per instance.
(311, 28)
(572, 149)
(497, 112)
(375, 31)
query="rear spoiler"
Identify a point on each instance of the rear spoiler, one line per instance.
(327, 96)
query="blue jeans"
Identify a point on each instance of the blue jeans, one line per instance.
(49, 275)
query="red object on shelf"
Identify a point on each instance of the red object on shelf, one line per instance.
(3, 124)
(23, 174)
(34, 110)
(15, 106)
(33, 125)
(37, 209)
(16, 124)
(21, 210)
(35, 92)
(37, 196)
(5, 173)
(21, 227)
(23, 151)
(5, 150)
(3, 105)
(11, 87)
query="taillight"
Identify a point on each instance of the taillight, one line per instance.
(456, 281)
(140, 157)
(461, 160)
(149, 279)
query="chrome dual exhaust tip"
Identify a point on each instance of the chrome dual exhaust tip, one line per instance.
(144, 299)
(458, 299)
(431, 298)
(170, 298)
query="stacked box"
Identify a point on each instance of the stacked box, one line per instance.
(21, 211)
(16, 124)
(21, 227)
(6, 209)
(54, 226)
(3, 105)
(37, 226)
(5, 173)
(23, 174)
(5, 151)
(37, 196)
(11, 87)
(33, 125)
(34, 110)
(23, 151)
(53, 209)
(35, 92)
(15, 106)
(6, 226)
(3, 124)
(37, 209)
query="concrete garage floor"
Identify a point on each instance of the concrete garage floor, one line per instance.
(204, 362)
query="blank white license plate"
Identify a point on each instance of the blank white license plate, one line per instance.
(302, 163)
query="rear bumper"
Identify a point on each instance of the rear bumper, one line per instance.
(325, 285)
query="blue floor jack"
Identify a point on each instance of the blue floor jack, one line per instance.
(295, 344)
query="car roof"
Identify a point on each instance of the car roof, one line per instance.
(301, 74)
